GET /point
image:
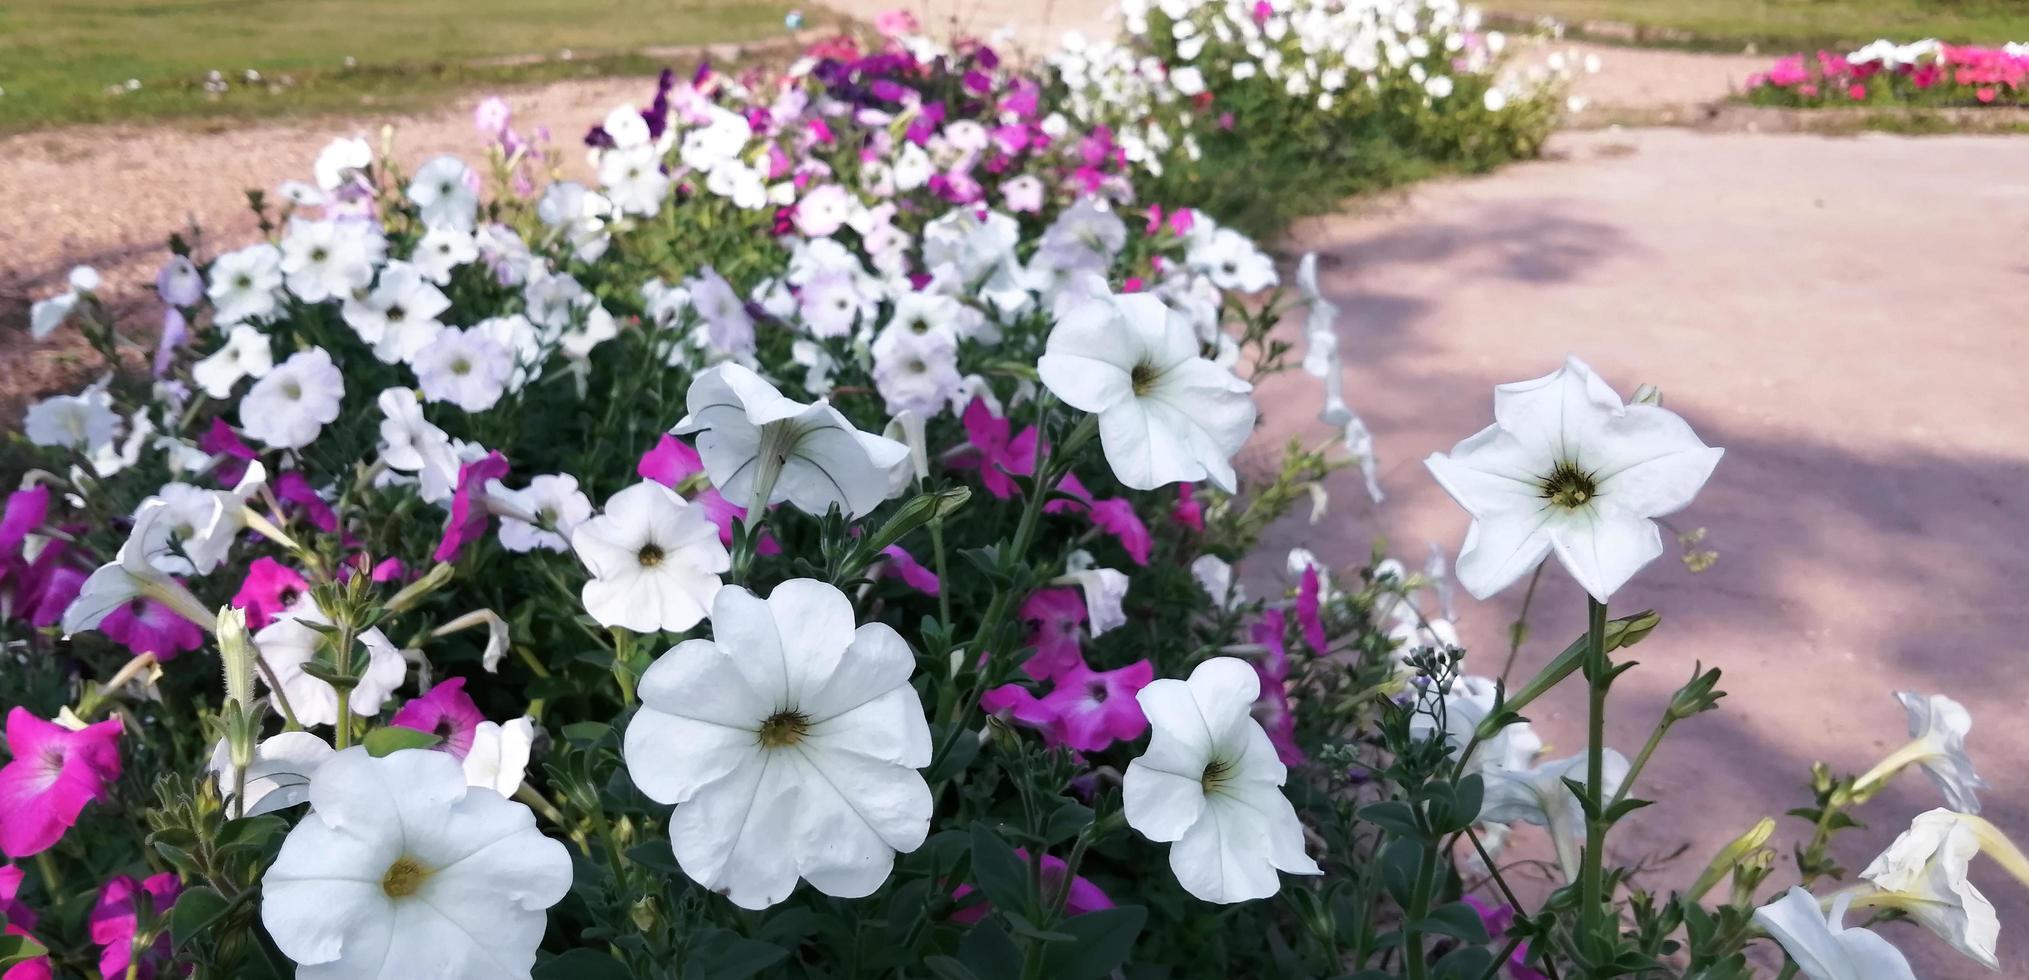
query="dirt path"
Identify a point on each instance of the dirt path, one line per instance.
(1838, 318)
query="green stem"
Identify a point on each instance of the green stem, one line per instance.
(1590, 875)
(344, 723)
(1419, 908)
(1648, 749)
(943, 574)
(1520, 627)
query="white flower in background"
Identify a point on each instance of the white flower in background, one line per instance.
(633, 180)
(399, 315)
(577, 214)
(45, 315)
(750, 436)
(84, 421)
(739, 184)
(442, 250)
(131, 575)
(410, 444)
(498, 759)
(1105, 590)
(1166, 415)
(402, 870)
(1467, 703)
(1567, 467)
(1439, 86)
(1539, 796)
(789, 743)
(655, 560)
(1024, 194)
(245, 283)
(915, 368)
(556, 503)
(1823, 948)
(1085, 237)
(444, 193)
(179, 283)
(1937, 728)
(505, 254)
(204, 523)
(1215, 576)
(340, 160)
(330, 259)
(727, 323)
(1188, 80)
(975, 241)
(818, 366)
(1923, 873)
(570, 315)
(1211, 786)
(295, 401)
(522, 341)
(246, 353)
(823, 211)
(626, 127)
(1229, 258)
(110, 459)
(912, 168)
(280, 774)
(287, 644)
(1495, 100)
(831, 304)
(716, 143)
(464, 367)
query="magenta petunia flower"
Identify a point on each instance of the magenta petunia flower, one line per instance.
(997, 457)
(1016, 703)
(116, 921)
(220, 440)
(1307, 612)
(1056, 618)
(446, 712)
(20, 919)
(270, 588)
(911, 571)
(1095, 708)
(53, 774)
(468, 505)
(52, 586)
(673, 461)
(1272, 709)
(26, 510)
(1116, 516)
(146, 626)
(1083, 896)
(293, 488)
(1188, 511)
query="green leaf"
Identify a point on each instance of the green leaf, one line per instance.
(195, 911)
(723, 955)
(655, 855)
(1464, 963)
(1068, 821)
(383, 742)
(582, 964)
(947, 968)
(1103, 939)
(989, 954)
(1394, 816)
(1457, 920)
(15, 949)
(998, 870)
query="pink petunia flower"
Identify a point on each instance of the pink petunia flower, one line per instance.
(1272, 709)
(20, 919)
(1056, 618)
(1188, 511)
(269, 588)
(293, 488)
(116, 923)
(1016, 703)
(220, 440)
(54, 773)
(1307, 611)
(57, 586)
(1116, 516)
(998, 458)
(468, 505)
(147, 626)
(911, 571)
(446, 712)
(1083, 896)
(1092, 709)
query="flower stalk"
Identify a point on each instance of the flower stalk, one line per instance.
(1591, 871)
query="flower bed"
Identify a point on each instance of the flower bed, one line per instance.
(809, 552)
(1924, 73)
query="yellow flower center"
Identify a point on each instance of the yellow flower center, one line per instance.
(1143, 377)
(783, 729)
(650, 556)
(403, 877)
(1216, 774)
(1569, 487)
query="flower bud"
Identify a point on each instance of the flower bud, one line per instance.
(236, 656)
(1730, 856)
(1647, 395)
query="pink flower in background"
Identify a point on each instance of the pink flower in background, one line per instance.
(1083, 896)
(270, 588)
(388, 570)
(20, 919)
(1056, 618)
(902, 563)
(468, 505)
(1015, 702)
(1092, 709)
(446, 712)
(997, 458)
(53, 774)
(220, 440)
(670, 463)
(1307, 612)
(1116, 516)
(1188, 512)
(26, 510)
(58, 587)
(147, 626)
(1273, 709)
(116, 923)
(492, 116)
(293, 488)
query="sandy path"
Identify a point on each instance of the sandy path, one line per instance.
(1865, 380)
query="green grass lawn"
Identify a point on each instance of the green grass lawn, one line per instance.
(1793, 24)
(62, 60)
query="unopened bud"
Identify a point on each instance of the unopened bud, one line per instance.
(415, 591)
(236, 656)
(1730, 856)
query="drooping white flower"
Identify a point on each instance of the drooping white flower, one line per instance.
(295, 401)
(279, 776)
(287, 644)
(1539, 796)
(655, 560)
(245, 284)
(441, 250)
(1166, 415)
(246, 353)
(1215, 576)
(204, 522)
(556, 503)
(1105, 590)
(789, 743)
(340, 160)
(399, 315)
(1937, 731)
(633, 180)
(444, 194)
(754, 439)
(498, 759)
(410, 444)
(464, 367)
(330, 259)
(1923, 873)
(133, 574)
(1210, 785)
(45, 315)
(578, 215)
(84, 421)
(1567, 467)
(1823, 948)
(401, 870)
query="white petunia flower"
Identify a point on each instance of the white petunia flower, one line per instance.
(915, 369)
(789, 743)
(626, 127)
(132, 574)
(1937, 729)
(655, 560)
(1823, 948)
(279, 776)
(84, 421)
(754, 441)
(464, 367)
(1567, 467)
(443, 194)
(498, 759)
(45, 315)
(1923, 873)
(441, 250)
(1230, 259)
(410, 444)
(1105, 590)
(556, 503)
(519, 336)
(633, 180)
(1210, 785)
(1540, 796)
(823, 211)
(1166, 415)
(287, 644)
(340, 160)
(246, 353)
(330, 259)
(295, 401)
(204, 523)
(728, 325)
(1467, 703)
(578, 215)
(399, 315)
(245, 284)
(401, 870)
(1215, 576)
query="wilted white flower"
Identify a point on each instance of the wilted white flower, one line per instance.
(295, 401)
(655, 560)
(279, 776)
(1540, 796)
(756, 442)
(1937, 728)
(1105, 590)
(133, 574)
(789, 743)
(1923, 873)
